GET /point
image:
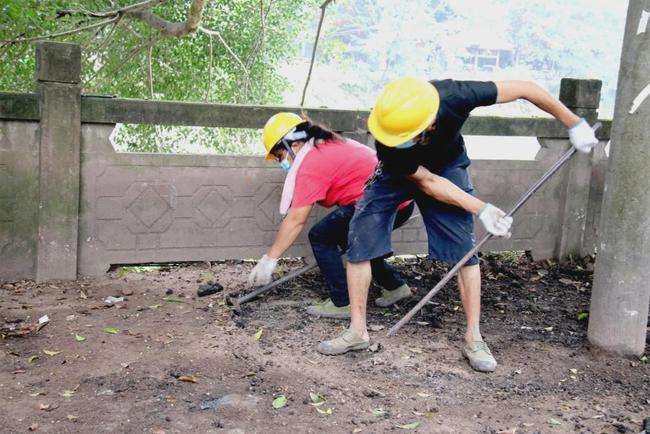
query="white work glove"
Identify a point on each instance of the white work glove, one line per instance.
(495, 221)
(261, 274)
(582, 136)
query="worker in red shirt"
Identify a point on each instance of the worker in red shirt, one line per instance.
(326, 169)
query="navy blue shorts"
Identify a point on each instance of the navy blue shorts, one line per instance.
(450, 230)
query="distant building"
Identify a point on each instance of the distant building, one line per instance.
(485, 51)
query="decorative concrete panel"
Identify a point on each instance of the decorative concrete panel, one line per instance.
(18, 199)
(153, 208)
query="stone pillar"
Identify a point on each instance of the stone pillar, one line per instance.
(621, 292)
(58, 69)
(583, 98)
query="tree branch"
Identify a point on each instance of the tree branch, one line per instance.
(260, 39)
(225, 44)
(148, 4)
(140, 11)
(168, 28)
(207, 91)
(150, 71)
(313, 52)
(126, 60)
(109, 36)
(67, 32)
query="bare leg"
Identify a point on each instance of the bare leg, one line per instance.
(469, 283)
(359, 276)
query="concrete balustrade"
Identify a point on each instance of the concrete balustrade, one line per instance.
(70, 204)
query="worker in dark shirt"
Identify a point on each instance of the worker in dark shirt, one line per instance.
(416, 125)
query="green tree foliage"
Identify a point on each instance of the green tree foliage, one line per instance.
(377, 40)
(232, 58)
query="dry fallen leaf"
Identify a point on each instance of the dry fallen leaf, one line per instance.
(172, 299)
(328, 411)
(68, 393)
(188, 378)
(316, 397)
(424, 395)
(258, 335)
(72, 418)
(409, 425)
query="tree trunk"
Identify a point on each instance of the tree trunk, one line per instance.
(621, 292)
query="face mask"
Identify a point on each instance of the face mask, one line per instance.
(407, 145)
(285, 165)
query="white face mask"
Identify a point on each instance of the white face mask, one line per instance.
(285, 164)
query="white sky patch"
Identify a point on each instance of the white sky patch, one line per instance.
(640, 98)
(643, 22)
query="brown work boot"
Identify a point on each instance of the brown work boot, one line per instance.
(346, 341)
(328, 309)
(479, 356)
(391, 297)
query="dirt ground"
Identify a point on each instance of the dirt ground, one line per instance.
(166, 361)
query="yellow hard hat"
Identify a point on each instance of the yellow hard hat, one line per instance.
(406, 107)
(277, 127)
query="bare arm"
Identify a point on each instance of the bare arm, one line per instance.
(290, 228)
(445, 191)
(511, 90)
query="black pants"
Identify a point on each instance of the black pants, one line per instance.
(331, 234)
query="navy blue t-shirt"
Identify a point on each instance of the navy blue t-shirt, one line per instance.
(445, 143)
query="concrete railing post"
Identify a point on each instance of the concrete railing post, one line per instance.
(619, 301)
(583, 98)
(58, 69)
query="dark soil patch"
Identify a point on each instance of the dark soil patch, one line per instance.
(548, 380)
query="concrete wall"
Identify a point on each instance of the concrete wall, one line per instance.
(124, 208)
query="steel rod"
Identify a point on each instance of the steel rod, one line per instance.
(270, 286)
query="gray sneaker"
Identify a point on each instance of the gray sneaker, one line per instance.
(479, 356)
(391, 297)
(346, 341)
(328, 309)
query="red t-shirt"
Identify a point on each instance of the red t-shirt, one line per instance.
(333, 173)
